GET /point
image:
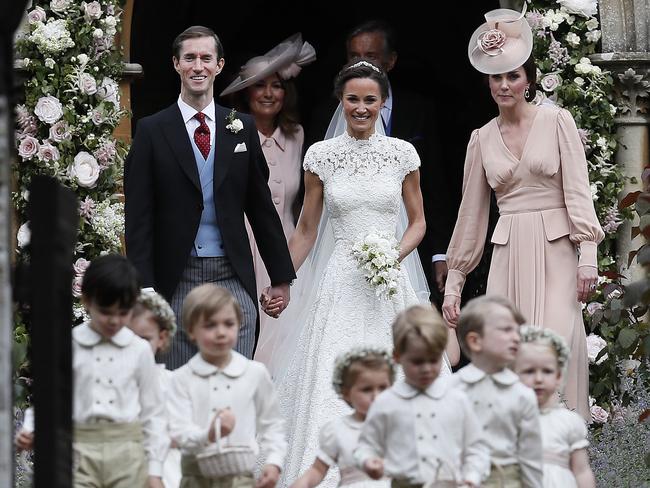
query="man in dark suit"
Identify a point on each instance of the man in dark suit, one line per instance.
(194, 170)
(409, 116)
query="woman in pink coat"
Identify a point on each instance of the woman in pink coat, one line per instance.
(265, 89)
(545, 241)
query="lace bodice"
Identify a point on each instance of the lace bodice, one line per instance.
(362, 181)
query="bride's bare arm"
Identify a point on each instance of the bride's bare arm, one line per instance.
(412, 196)
(306, 231)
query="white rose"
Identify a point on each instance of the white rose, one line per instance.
(573, 39)
(87, 84)
(97, 117)
(48, 109)
(630, 365)
(26, 62)
(579, 81)
(591, 24)
(237, 125)
(109, 91)
(92, 10)
(60, 6)
(85, 170)
(82, 59)
(50, 63)
(98, 33)
(550, 82)
(47, 152)
(598, 414)
(28, 147)
(595, 344)
(36, 15)
(24, 235)
(586, 8)
(612, 109)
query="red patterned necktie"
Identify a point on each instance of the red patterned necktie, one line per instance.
(202, 135)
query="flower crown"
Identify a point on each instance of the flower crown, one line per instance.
(364, 63)
(344, 360)
(155, 303)
(539, 335)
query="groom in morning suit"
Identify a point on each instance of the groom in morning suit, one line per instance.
(193, 171)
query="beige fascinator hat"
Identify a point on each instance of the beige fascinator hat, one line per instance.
(503, 43)
(286, 59)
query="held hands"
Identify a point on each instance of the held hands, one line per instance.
(269, 478)
(227, 424)
(374, 467)
(275, 299)
(587, 279)
(451, 309)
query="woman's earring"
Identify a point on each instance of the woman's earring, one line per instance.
(526, 93)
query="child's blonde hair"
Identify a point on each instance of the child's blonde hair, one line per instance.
(424, 323)
(472, 316)
(349, 365)
(206, 300)
(532, 334)
(163, 315)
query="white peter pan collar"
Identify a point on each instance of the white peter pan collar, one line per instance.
(435, 390)
(85, 336)
(236, 367)
(351, 422)
(472, 374)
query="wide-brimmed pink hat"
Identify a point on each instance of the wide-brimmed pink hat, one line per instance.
(503, 43)
(286, 59)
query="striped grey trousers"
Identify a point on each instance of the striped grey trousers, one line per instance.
(215, 270)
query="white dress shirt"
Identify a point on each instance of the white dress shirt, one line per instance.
(192, 123)
(199, 389)
(117, 380)
(425, 435)
(508, 413)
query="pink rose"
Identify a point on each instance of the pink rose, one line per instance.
(60, 132)
(97, 117)
(491, 40)
(593, 307)
(87, 84)
(76, 286)
(598, 414)
(28, 147)
(47, 152)
(80, 266)
(92, 10)
(551, 82)
(36, 15)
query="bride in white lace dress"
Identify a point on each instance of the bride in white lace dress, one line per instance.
(362, 177)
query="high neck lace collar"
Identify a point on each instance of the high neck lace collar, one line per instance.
(353, 140)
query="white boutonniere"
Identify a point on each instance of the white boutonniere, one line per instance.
(377, 255)
(234, 124)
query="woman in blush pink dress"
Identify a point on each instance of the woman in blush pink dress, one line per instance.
(265, 89)
(545, 241)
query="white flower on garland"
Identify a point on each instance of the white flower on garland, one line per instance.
(108, 223)
(87, 84)
(584, 67)
(24, 235)
(585, 8)
(48, 109)
(80, 266)
(60, 6)
(377, 255)
(110, 25)
(85, 170)
(36, 15)
(53, 37)
(593, 36)
(591, 24)
(28, 147)
(109, 91)
(573, 39)
(595, 344)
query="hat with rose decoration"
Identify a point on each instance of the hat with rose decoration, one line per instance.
(503, 43)
(286, 59)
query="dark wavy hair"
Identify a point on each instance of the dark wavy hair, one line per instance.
(361, 68)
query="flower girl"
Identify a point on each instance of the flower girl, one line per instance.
(359, 376)
(542, 357)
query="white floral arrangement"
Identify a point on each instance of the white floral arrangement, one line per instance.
(234, 124)
(541, 335)
(377, 255)
(344, 360)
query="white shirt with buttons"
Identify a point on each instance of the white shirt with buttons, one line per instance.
(424, 435)
(199, 389)
(509, 416)
(117, 380)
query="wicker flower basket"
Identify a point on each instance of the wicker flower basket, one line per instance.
(217, 460)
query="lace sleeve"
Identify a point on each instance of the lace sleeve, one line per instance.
(312, 162)
(409, 158)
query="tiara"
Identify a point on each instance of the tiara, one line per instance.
(344, 361)
(364, 63)
(534, 334)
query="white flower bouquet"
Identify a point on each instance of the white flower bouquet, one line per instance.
(377, 255)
